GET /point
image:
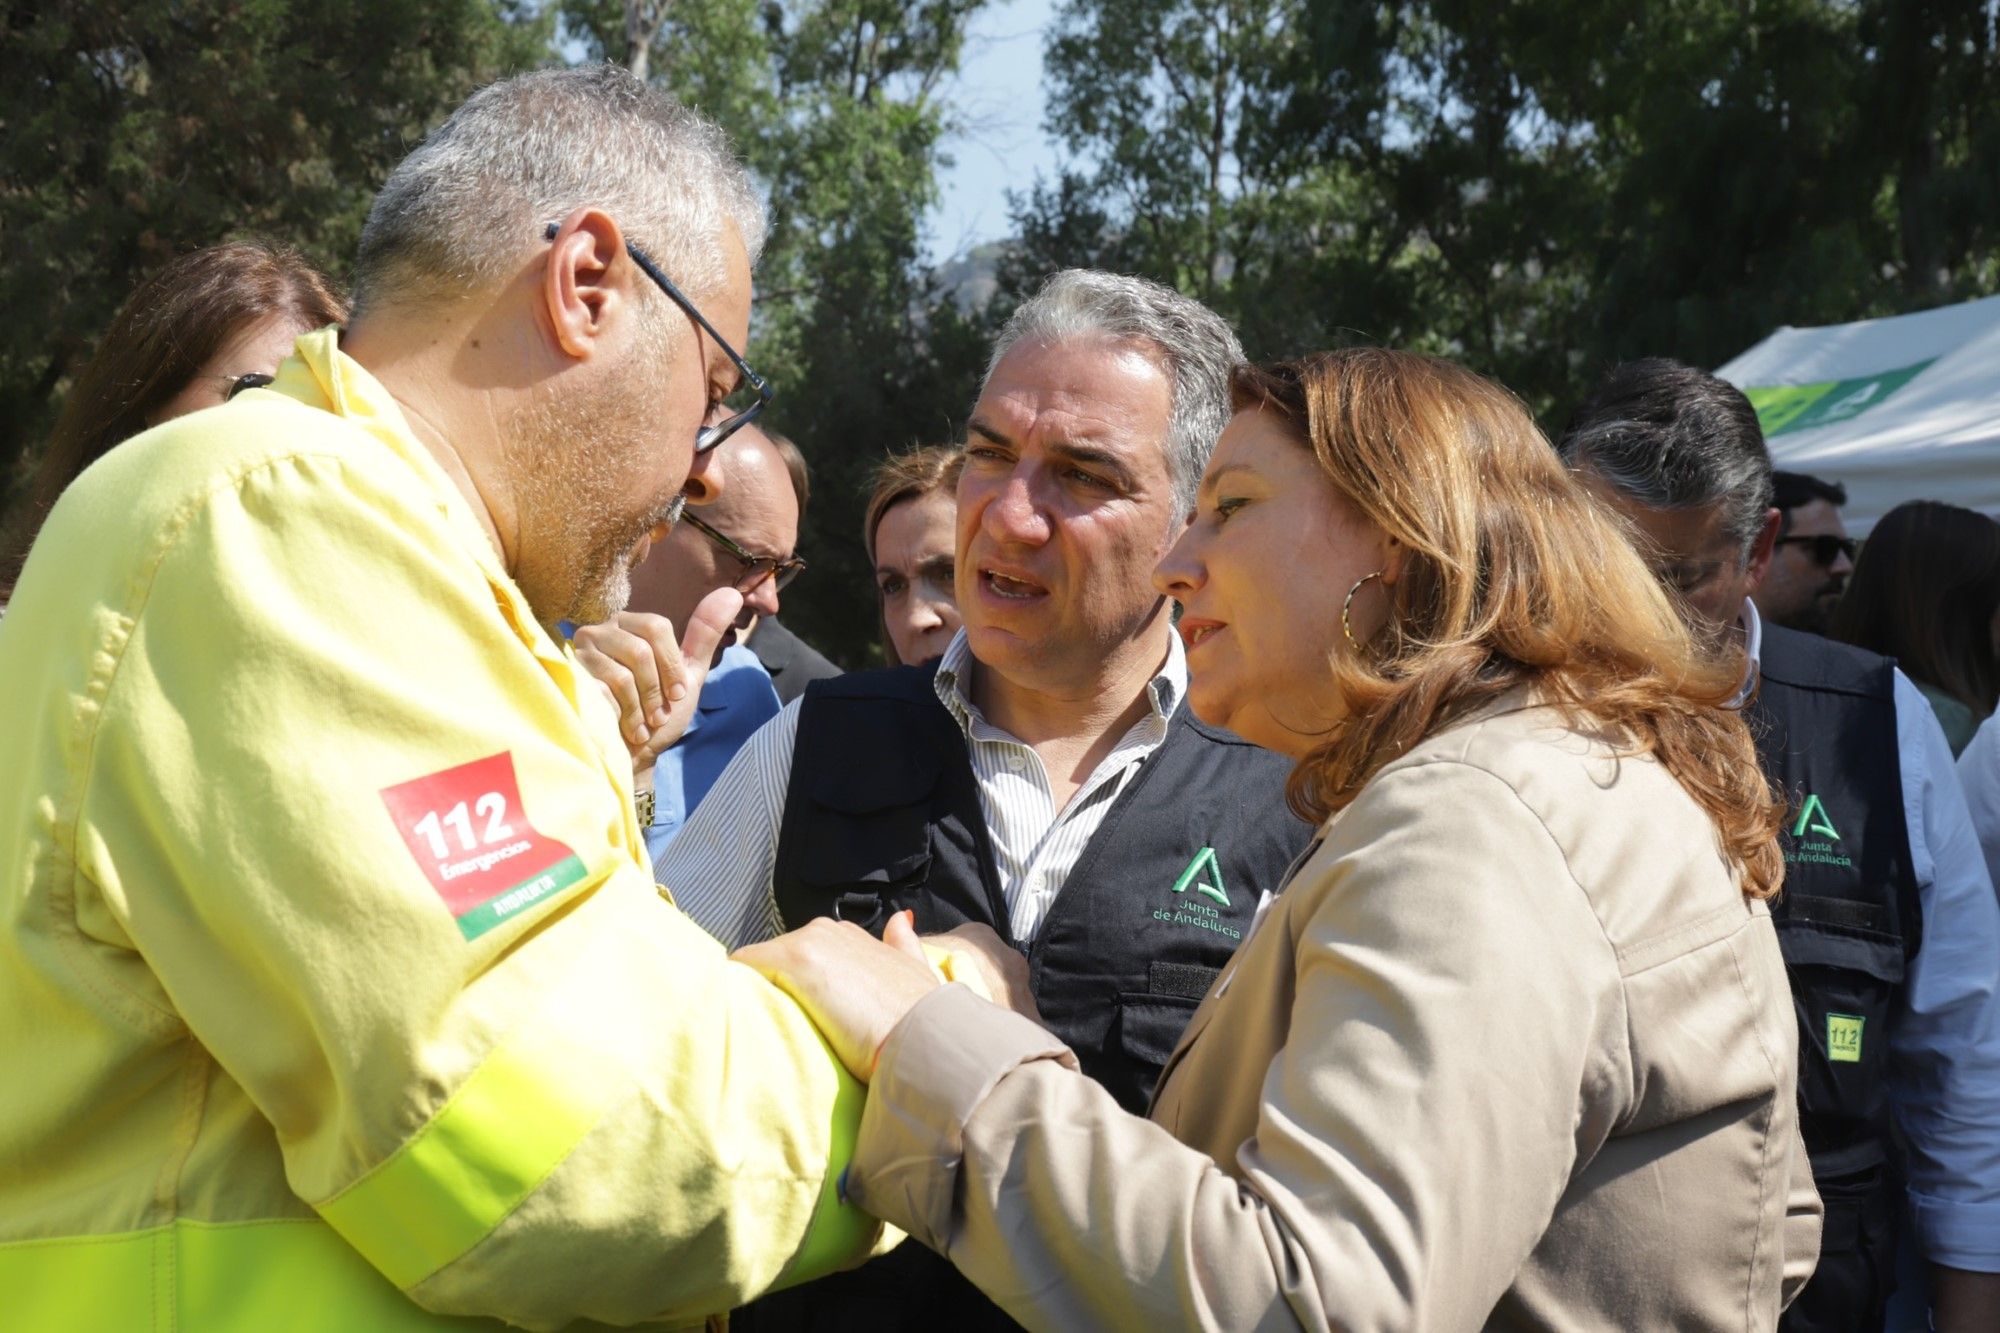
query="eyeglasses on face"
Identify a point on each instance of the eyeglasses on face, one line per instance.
(256, 379)
(750, 384)
(1823, 548)
(756, 568)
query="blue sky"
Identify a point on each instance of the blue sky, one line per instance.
(999, 95)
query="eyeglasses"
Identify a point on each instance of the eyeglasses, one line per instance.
(1824, 547)
(706, 437)
(756, 568)
(1684, 578)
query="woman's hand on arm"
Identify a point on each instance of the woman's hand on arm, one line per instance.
(1000, 968)
(854, 987)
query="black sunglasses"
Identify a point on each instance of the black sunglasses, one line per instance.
(1825, 547)
(706, 437)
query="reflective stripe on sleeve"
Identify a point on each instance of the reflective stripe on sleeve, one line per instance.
(233, 1277)
(507, 1127)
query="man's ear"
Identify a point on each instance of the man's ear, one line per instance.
(585, 278)
(1762, 549)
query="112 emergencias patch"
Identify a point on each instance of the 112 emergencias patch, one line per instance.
(472, 839)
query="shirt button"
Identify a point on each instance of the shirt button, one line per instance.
(1014, 762)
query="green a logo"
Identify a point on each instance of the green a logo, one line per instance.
(1814, 819)
(1199, 871)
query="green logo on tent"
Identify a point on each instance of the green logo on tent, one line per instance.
(1199, 871)
(1782, 408)
(1814, 819)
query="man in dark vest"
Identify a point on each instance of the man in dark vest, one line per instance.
(1043, 778)
(1888, 921)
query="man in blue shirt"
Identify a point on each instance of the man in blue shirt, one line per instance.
(743, 540)
(1888, 919)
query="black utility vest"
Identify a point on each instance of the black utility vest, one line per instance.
(883, 814)
(1824, 718)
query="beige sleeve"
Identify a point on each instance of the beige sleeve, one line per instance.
(1396, 1179)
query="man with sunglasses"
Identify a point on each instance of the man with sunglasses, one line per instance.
(1812, 557)
(1888, 922)
(743, 540)
(338, 990)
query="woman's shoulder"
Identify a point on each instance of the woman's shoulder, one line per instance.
(1640, 850)
(1958, 722)
(1525, 744)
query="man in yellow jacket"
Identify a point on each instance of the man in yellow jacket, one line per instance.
(335, 992)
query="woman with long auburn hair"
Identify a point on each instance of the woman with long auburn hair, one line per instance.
(1514, 1046)
(198, 330)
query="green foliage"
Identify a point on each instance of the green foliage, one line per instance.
(838, 107)
(132, 132)
(1537, 188)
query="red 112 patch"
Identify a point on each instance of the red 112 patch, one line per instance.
(471, 837)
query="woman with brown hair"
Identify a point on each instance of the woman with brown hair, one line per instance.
(910, 530)
(1514, 1046)
(202, 328)
(1926, 591)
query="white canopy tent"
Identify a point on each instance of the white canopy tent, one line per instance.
(1904, 408)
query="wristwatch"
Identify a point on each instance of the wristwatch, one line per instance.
(642, 805)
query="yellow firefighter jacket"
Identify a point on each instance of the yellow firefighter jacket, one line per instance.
(335, 992)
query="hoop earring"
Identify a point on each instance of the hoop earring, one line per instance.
(1345, 626)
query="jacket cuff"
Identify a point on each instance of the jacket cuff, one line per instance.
(1958, 1234)
(946, 1056)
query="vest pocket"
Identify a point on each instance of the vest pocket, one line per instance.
(859, 867)
(1149, 1027)
(1845, 980)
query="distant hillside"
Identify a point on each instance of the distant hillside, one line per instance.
(970, 280)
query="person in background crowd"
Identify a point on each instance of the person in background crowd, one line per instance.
(199, 329)
(908, 531)
(1979, 774)
(744, 539)
(1812, 558)
(338, 992)
(1888, 920)
(790, 661)
(1044, 777)
(1926, 592)
(1510, 1049)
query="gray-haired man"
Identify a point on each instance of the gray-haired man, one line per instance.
(339, 992)
(1043, 778)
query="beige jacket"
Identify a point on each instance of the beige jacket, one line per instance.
(1511, 1050)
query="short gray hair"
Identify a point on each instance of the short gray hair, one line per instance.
(460, 212)
(1670, 436)
(1196, 348)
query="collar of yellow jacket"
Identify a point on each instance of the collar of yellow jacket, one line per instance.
(320, 375)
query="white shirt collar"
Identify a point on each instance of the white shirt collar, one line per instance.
(1164, 692)
(1753, 650)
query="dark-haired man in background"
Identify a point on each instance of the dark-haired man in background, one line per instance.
(1888, 922)
(790, 661)
(1812, 557)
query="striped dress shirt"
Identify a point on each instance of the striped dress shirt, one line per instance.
(720, 867)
